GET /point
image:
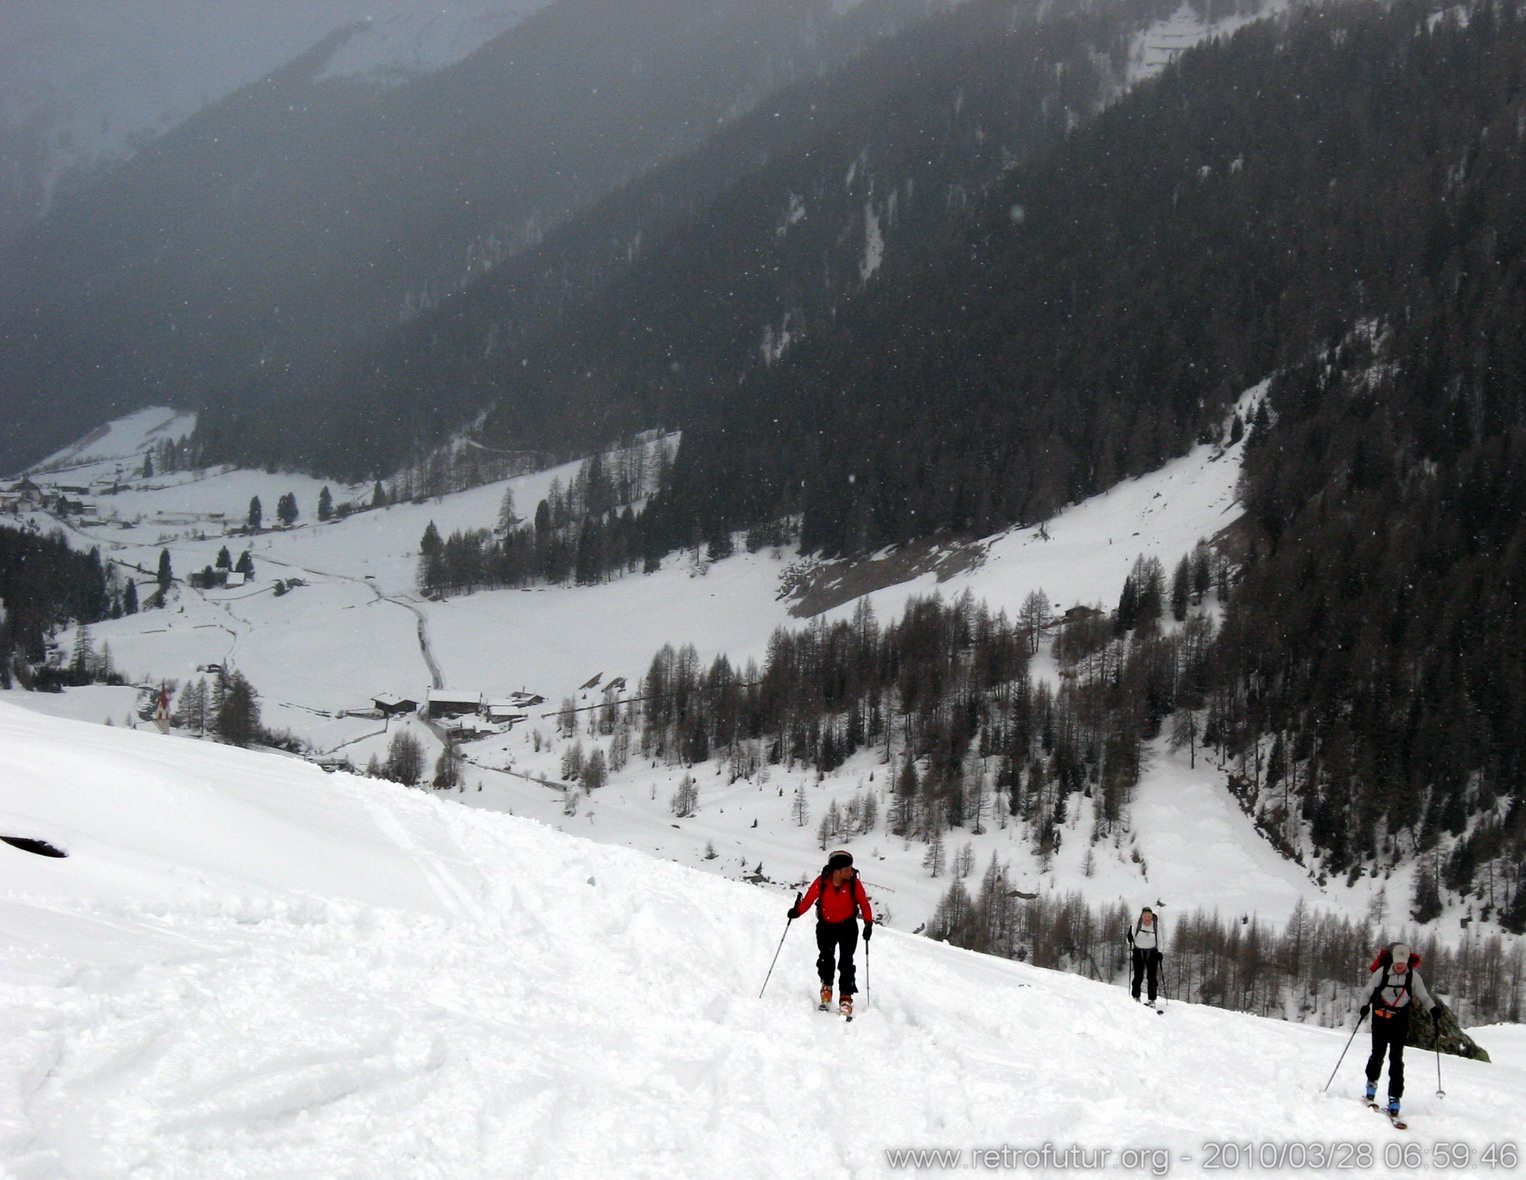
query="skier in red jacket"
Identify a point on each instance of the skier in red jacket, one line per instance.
(839, 898)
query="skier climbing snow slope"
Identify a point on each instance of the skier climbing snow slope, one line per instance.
(247, 967)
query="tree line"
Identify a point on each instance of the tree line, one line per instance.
(44, 586)
(944, 696)
(227, 707)
(1313, 968)
(595, 529)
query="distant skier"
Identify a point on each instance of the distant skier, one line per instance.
(1144, 939)
(839, 898)
(1394, 981)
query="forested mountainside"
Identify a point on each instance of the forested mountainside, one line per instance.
(637, 312)
(1337, 201)
(1340, 200)
(1245, 212)
(236, 258)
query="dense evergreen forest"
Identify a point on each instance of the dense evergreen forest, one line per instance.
(45, 585)
(1245, 212)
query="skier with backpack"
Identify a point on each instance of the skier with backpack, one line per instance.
(839, 898)
(1144, 942)
(1394, 984)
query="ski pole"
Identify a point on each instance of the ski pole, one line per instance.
(1349, 1039)
(778, 948)
(1440, 1093)
(866, 971)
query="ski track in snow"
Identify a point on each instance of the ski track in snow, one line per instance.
(461, 994)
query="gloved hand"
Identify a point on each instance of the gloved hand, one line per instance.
(792, 914)
(868, 929)
(1436, 1014)
(1363, 1014)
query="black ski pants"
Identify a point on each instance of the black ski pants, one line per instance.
(839, 939)
(1390, 1028)
(1146, 962)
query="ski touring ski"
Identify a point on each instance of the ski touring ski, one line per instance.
(1398, 1123)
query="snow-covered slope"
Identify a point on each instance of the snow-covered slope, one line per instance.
(246, 967)
(117, 449)
(1162, 42)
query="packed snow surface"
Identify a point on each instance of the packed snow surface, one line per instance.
(247, 967)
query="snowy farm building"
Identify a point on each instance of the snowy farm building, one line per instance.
(390, 705)
(442, 702)
(504, 713)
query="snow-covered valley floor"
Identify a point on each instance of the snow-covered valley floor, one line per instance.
(352, 629)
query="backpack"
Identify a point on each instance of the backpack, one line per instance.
(1385, 960)
(821, 894)
(1154, 929)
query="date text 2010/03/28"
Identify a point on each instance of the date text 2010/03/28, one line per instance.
(1339, 1155)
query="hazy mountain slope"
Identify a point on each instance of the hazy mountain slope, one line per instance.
(641, 310)
(715, 264)
(84, 85)
(237, 255)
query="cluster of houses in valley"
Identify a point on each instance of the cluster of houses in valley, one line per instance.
(77, 501)
(26, 496)
(464, 714)
(62, 499)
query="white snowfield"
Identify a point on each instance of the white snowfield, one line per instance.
(248, 968)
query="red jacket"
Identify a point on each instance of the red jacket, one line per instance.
(838, 902)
